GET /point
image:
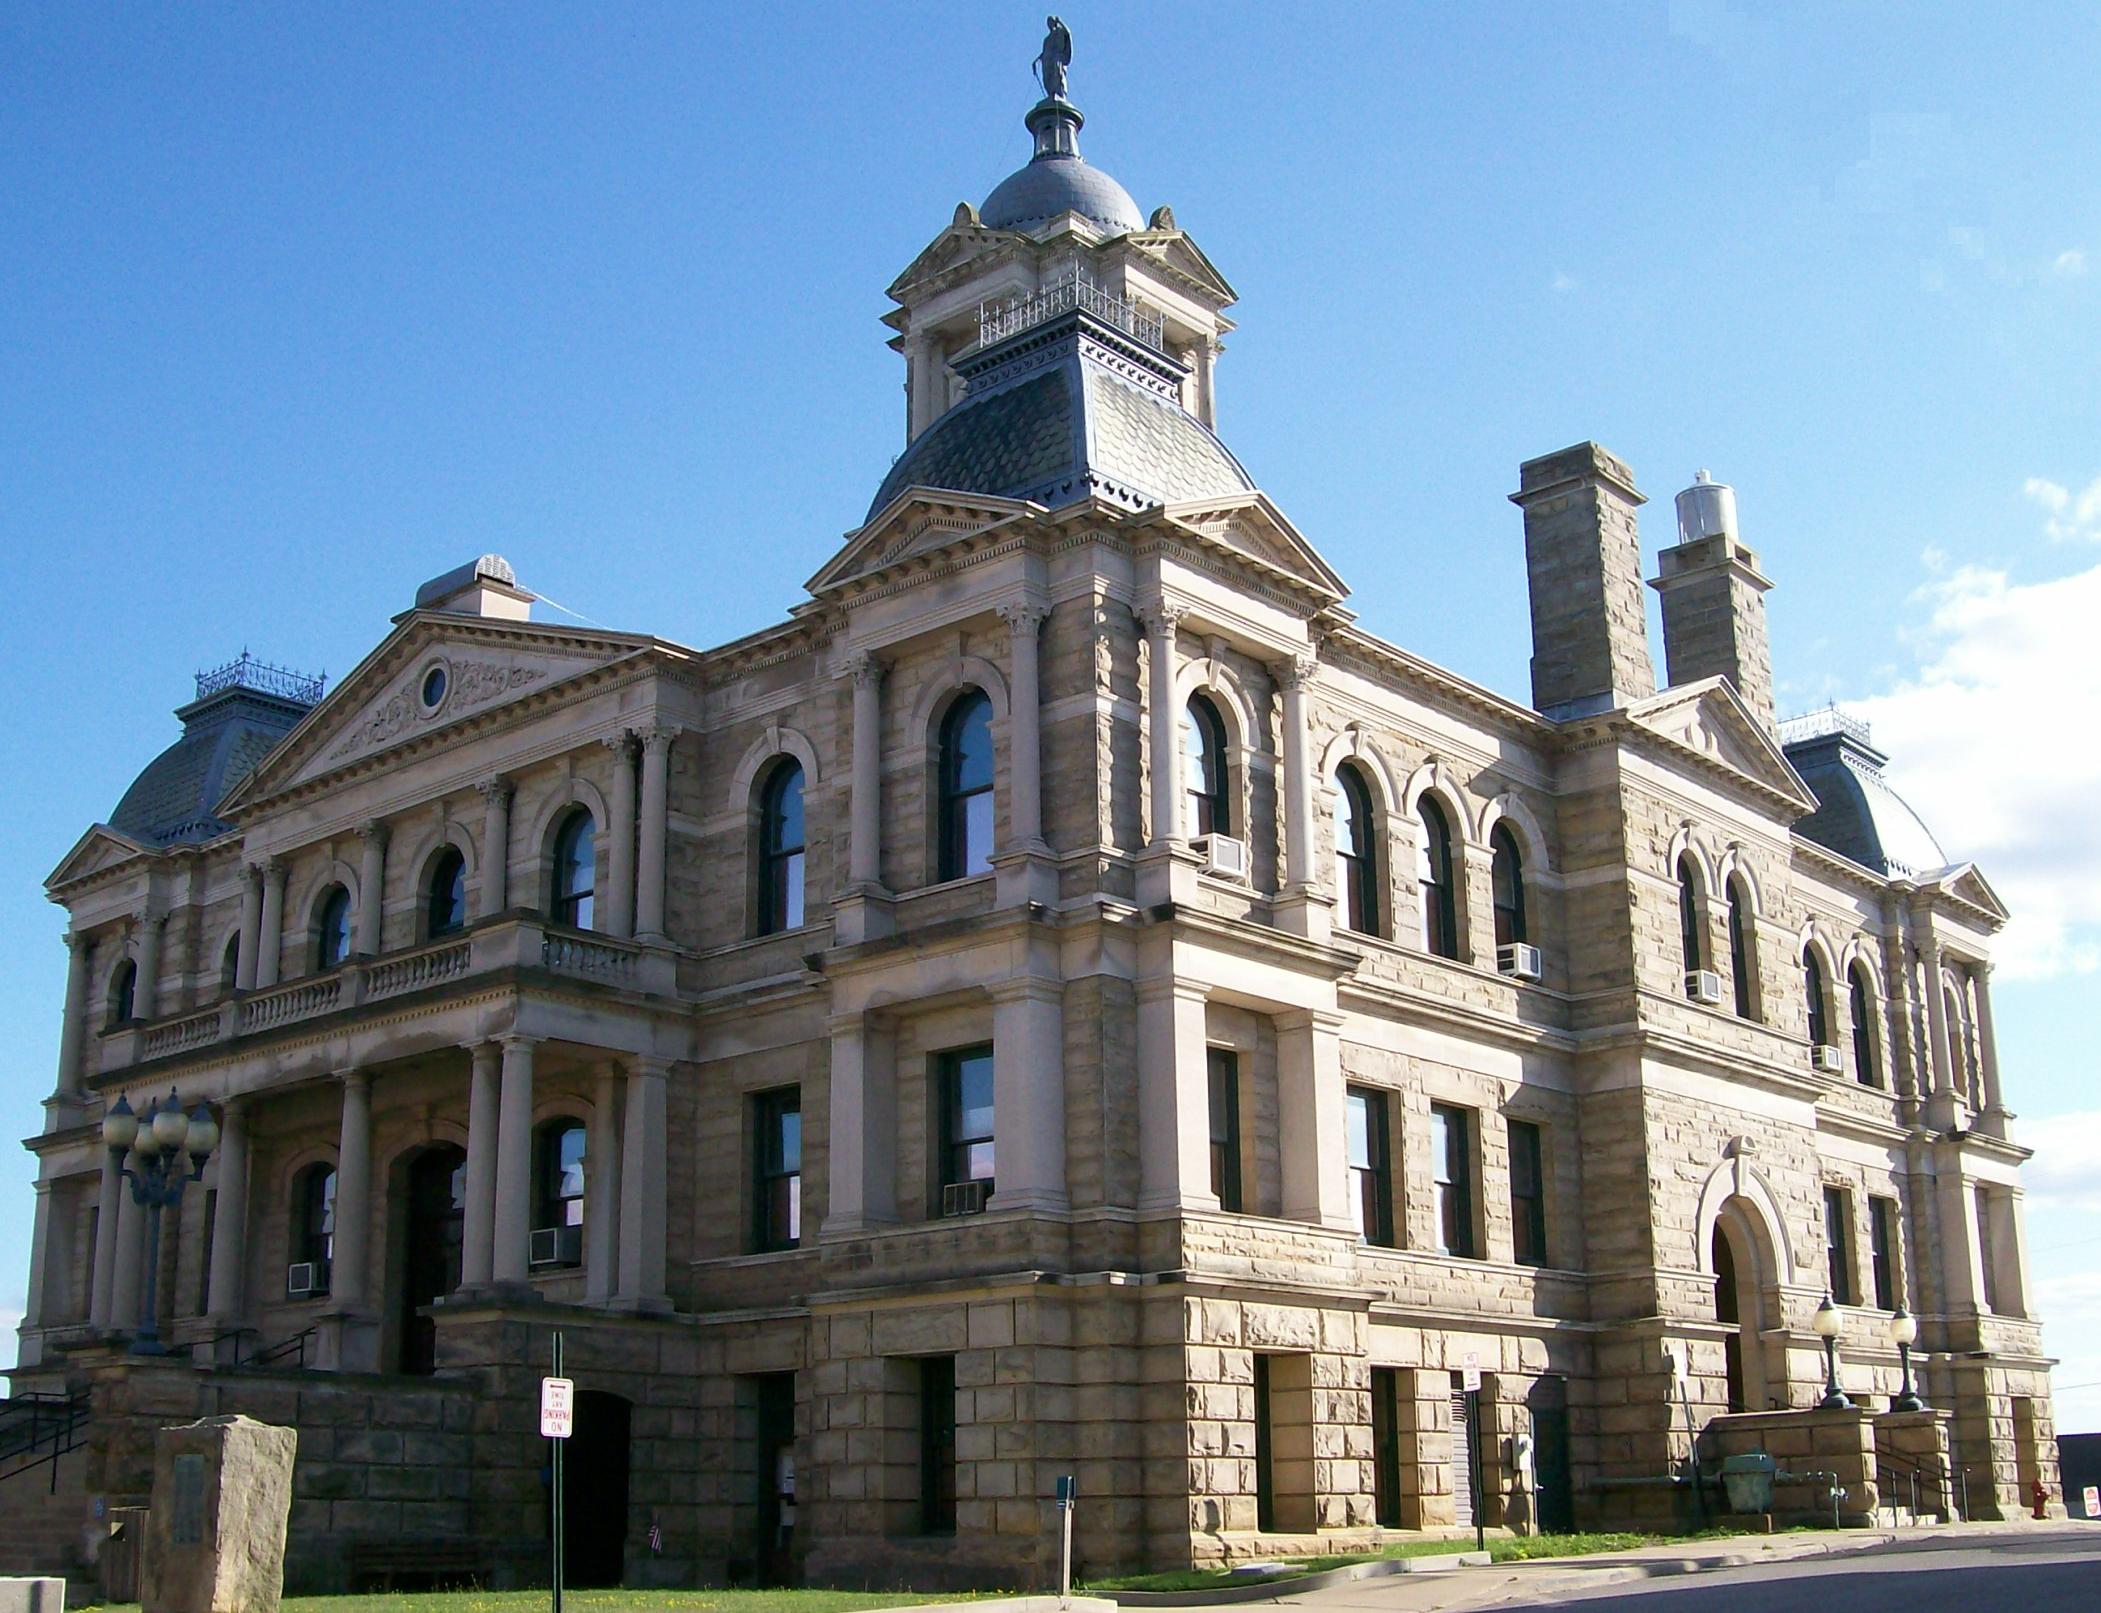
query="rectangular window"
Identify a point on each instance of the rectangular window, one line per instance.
(1371, 1165)
(1452, 1179)
(1265, 1450)
(1882, 1250)
(1528, 1195)
(937, 1445)
(1225, 1127)
(1386, 1446)
(965, 1082)
(1984, 1251)
(777, 1169)
(1838, 1245)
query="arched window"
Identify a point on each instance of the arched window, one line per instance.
(230, 963)
(313, 1241)
(1813, 989)
(1507, 885)
(1865, 1067)
(966, 787)
(1439, 898)
(1740, 948)
(781, 848)
(1357, 852)
(558, 1192)
(123, 991)
(332, 929)
(575, 869)
(445, 894)
(1958, 1037)
(1204, 768)
(1690, 937)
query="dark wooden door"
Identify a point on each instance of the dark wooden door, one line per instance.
(437, 1213)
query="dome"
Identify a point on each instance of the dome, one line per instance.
(1858, 814)
(225, 733)
(1053, 183)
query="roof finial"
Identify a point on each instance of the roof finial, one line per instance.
(1056, 57)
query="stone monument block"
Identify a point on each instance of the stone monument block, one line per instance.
(222, 1490)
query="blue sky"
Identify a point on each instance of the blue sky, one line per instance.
(300, 306)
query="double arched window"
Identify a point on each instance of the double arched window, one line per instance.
(781, 848)
(123, 992)
(1204, 768)
(1813, 989)
(1740, 950)
(574, 891)
(965, 826)
(1691, 942)
(1440, 898)
(1860, 997)
(1357, 852)
(445, 894)
(1506, 880)
(332, 928)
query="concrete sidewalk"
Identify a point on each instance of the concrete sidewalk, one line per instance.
(1546, 1580)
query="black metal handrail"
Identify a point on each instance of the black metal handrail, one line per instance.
(39, 1429)
(278, 1351)
(1937, 1475)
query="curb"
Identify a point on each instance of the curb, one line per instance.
(1271, 1590)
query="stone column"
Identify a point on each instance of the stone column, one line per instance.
(643, 1184)
(102, 1280)
(865, 849)
(602, 1188)
(1941, 1107)
(224, 1299)
(496, 845)
(514, 1163)
(1028, 1095)
(1988, 1048)
(863, 1124)
(478, 1224)
(1025, 725)
(1164, 721)
(1174, 1097)
(73, 1037)
(251, 928)
(656, 815)
(269, 951)
(371, 887)
(616, 915)
(1310, 1107)
(1292, 677)
(145, 990)
(350, 1269)
(39, 1273)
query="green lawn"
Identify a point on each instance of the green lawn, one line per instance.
(601, 1602)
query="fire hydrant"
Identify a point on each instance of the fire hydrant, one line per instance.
(2041, 1498)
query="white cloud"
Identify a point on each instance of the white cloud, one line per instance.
(2069, 264)
(2064, 1178)
(10, 1320)
(2069, 1302)
(1562, 281)
(1991, 741)
(2071, 516)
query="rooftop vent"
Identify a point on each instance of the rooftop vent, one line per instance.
(485, 587)
(1707, 509)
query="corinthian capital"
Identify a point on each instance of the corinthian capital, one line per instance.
(1024, 618)
(866, 669)
(496, 791)
(1160, 619)
(657, 737)
(1296, 673)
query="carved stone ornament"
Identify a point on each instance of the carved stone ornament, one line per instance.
(474, 683)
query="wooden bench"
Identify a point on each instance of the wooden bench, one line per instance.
(407, 1564)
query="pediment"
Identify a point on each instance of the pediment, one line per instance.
(99, 850)
(1181, 257)
(1710, 717)
(958, 244)
(1249, 527)
(1963, 883)
(382, 705)
(919, 521)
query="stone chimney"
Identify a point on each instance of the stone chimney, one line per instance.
(485, 587)
(1714, 600)
(1590, 637)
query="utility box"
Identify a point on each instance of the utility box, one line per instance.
(222, 1492)
(1748, 1478)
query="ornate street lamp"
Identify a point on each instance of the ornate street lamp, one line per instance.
(145, 1149)
(1903, 1328)
(1827, 1323)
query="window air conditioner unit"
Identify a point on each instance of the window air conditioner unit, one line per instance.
(1518, 960)
(306, 1279)
(965, 1198)
(555, 1246)
(1703, 986)
(1223, 855)
(1824, 1057)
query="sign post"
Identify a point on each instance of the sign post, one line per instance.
(1068, 1493)
(557, 1423)
(1470, 1381)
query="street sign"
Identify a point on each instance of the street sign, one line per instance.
(1470, 1372)
(1068, 1489)
(2090, 1500)
(557, 1408)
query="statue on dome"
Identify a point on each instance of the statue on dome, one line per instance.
(1055, 59)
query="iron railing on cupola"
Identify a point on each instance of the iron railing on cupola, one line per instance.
(1076, 288)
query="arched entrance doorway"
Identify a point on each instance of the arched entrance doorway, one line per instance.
(437, 1205)
(1738, 1306)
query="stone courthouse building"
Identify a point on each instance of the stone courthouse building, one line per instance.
(1064, 999)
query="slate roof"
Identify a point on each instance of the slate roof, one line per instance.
(1052, 183)
(1068, 408)
(1858, 815)
(224, 736)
